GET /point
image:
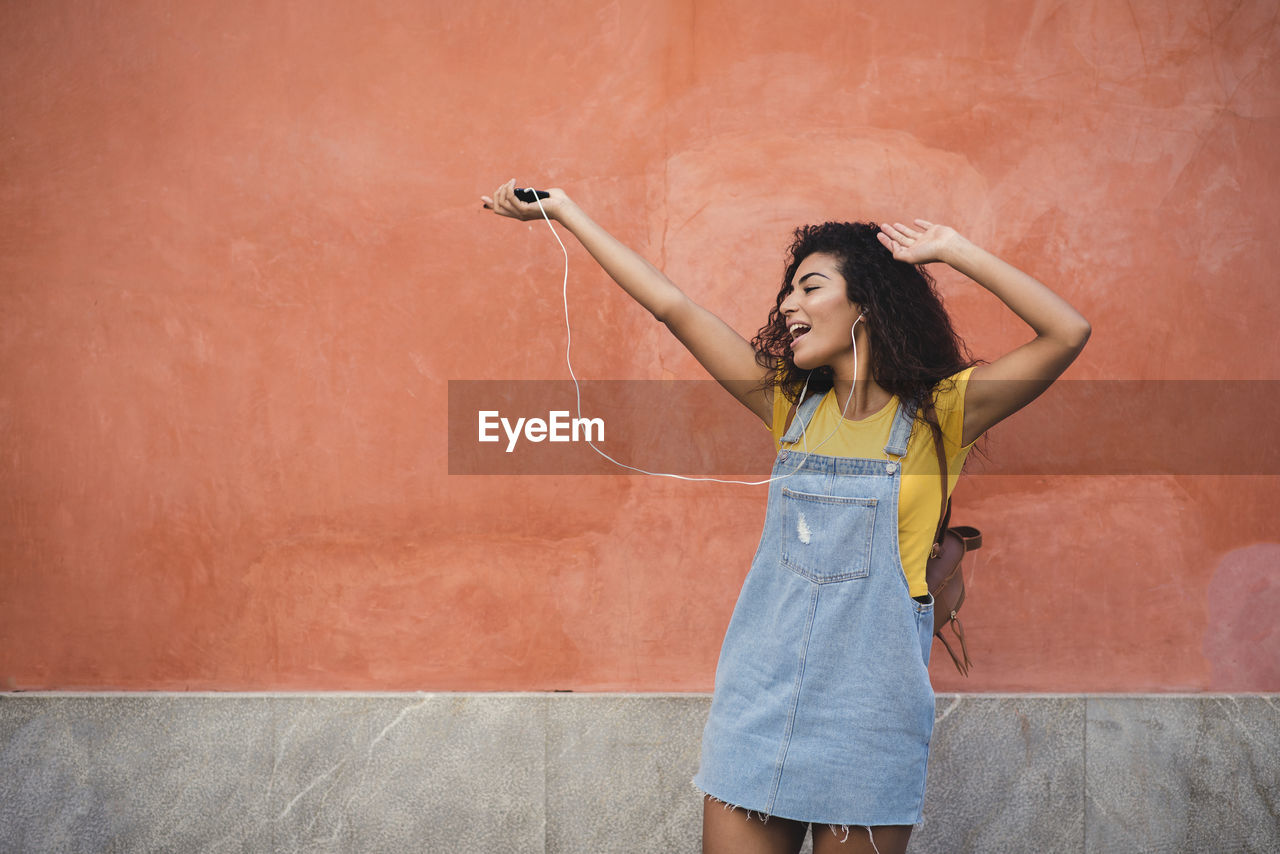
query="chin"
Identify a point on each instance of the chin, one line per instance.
(809, 361)
(806, 364)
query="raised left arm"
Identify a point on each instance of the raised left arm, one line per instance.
(1001, 388)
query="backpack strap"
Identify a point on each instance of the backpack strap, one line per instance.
(971, 537)
(944, 512)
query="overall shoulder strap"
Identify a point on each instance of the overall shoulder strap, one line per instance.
(900, 433)
(804, 413)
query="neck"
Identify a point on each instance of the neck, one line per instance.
(868, 398)
(865, 397)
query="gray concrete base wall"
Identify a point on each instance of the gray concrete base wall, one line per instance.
(601, 773)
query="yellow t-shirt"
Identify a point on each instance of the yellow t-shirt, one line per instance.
(918, 499)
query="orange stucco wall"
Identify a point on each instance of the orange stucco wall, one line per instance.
(243, 254)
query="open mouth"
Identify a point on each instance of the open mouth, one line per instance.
(797, 331)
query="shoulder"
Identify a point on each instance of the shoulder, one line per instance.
(949, 392)
(781, 408)
(948, 402)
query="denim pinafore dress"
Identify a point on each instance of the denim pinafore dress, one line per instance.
(823, 709)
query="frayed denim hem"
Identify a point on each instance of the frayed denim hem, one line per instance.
(845, 839)
(836, 830)
(750, 814)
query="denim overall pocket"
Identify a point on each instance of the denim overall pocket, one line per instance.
(827, 538)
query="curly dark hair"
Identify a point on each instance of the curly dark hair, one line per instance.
(913, 345)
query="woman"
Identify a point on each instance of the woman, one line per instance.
(823, 710)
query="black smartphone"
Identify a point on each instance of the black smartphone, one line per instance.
(528, 196)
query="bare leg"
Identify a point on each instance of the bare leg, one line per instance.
(882, 839)
(729, 830)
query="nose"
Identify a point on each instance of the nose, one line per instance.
(788, 304)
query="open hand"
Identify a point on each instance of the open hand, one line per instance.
(920, 245)
(504, 203)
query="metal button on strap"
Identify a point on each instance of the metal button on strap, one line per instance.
(890, 467)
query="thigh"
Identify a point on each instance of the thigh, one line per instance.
(730, 830)
(883, 839)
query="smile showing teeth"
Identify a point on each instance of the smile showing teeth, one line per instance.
(797, 329)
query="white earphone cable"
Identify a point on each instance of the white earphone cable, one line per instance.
(564, 290)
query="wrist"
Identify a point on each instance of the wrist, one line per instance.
(957, 250)
(565, 207)
(567, 212)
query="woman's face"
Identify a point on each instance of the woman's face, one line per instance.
(818, 313)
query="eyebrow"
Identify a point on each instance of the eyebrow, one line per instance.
(807, 275)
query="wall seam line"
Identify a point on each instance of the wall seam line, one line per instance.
(546, 766)
(1084, 778)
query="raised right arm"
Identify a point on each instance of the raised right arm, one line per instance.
(726, 355)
